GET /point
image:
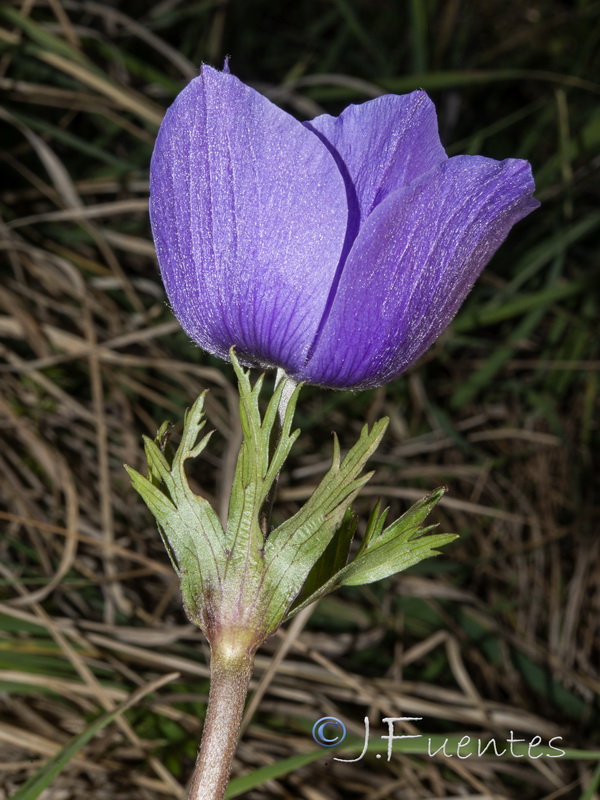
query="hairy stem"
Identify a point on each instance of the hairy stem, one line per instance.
(229, 680)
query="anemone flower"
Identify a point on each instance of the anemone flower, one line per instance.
(337, 249)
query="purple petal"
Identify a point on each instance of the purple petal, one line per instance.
(412, 266)
(249, 216)
(383, 144)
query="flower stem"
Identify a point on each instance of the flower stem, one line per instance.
(288, 391)
(229, 680)
(232, 656)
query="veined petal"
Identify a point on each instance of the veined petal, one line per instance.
(412, 265)
(384, 144)
(249, 216)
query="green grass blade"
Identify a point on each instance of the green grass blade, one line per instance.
(592, 787)
(271, 772)
(353, 746)
(44, 776)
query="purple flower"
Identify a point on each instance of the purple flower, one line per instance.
(338, 249)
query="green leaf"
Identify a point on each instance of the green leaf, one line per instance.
(375, 525)
(333, 558)
(263, 573)
(189, 526)
(157, 501)
(404, 543)
(385, 552)
(166, 454)
(266, 445)
(295, 547)
(392, 557)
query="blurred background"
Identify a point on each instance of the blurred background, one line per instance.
(498, 634)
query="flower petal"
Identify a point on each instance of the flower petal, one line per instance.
(249, 216)
(412, 266)
(384, 144)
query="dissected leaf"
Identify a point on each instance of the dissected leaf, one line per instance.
(294, 548)
(392, 557)
(191, 531)
(258, 464)
(385, 552)
(333, 558)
